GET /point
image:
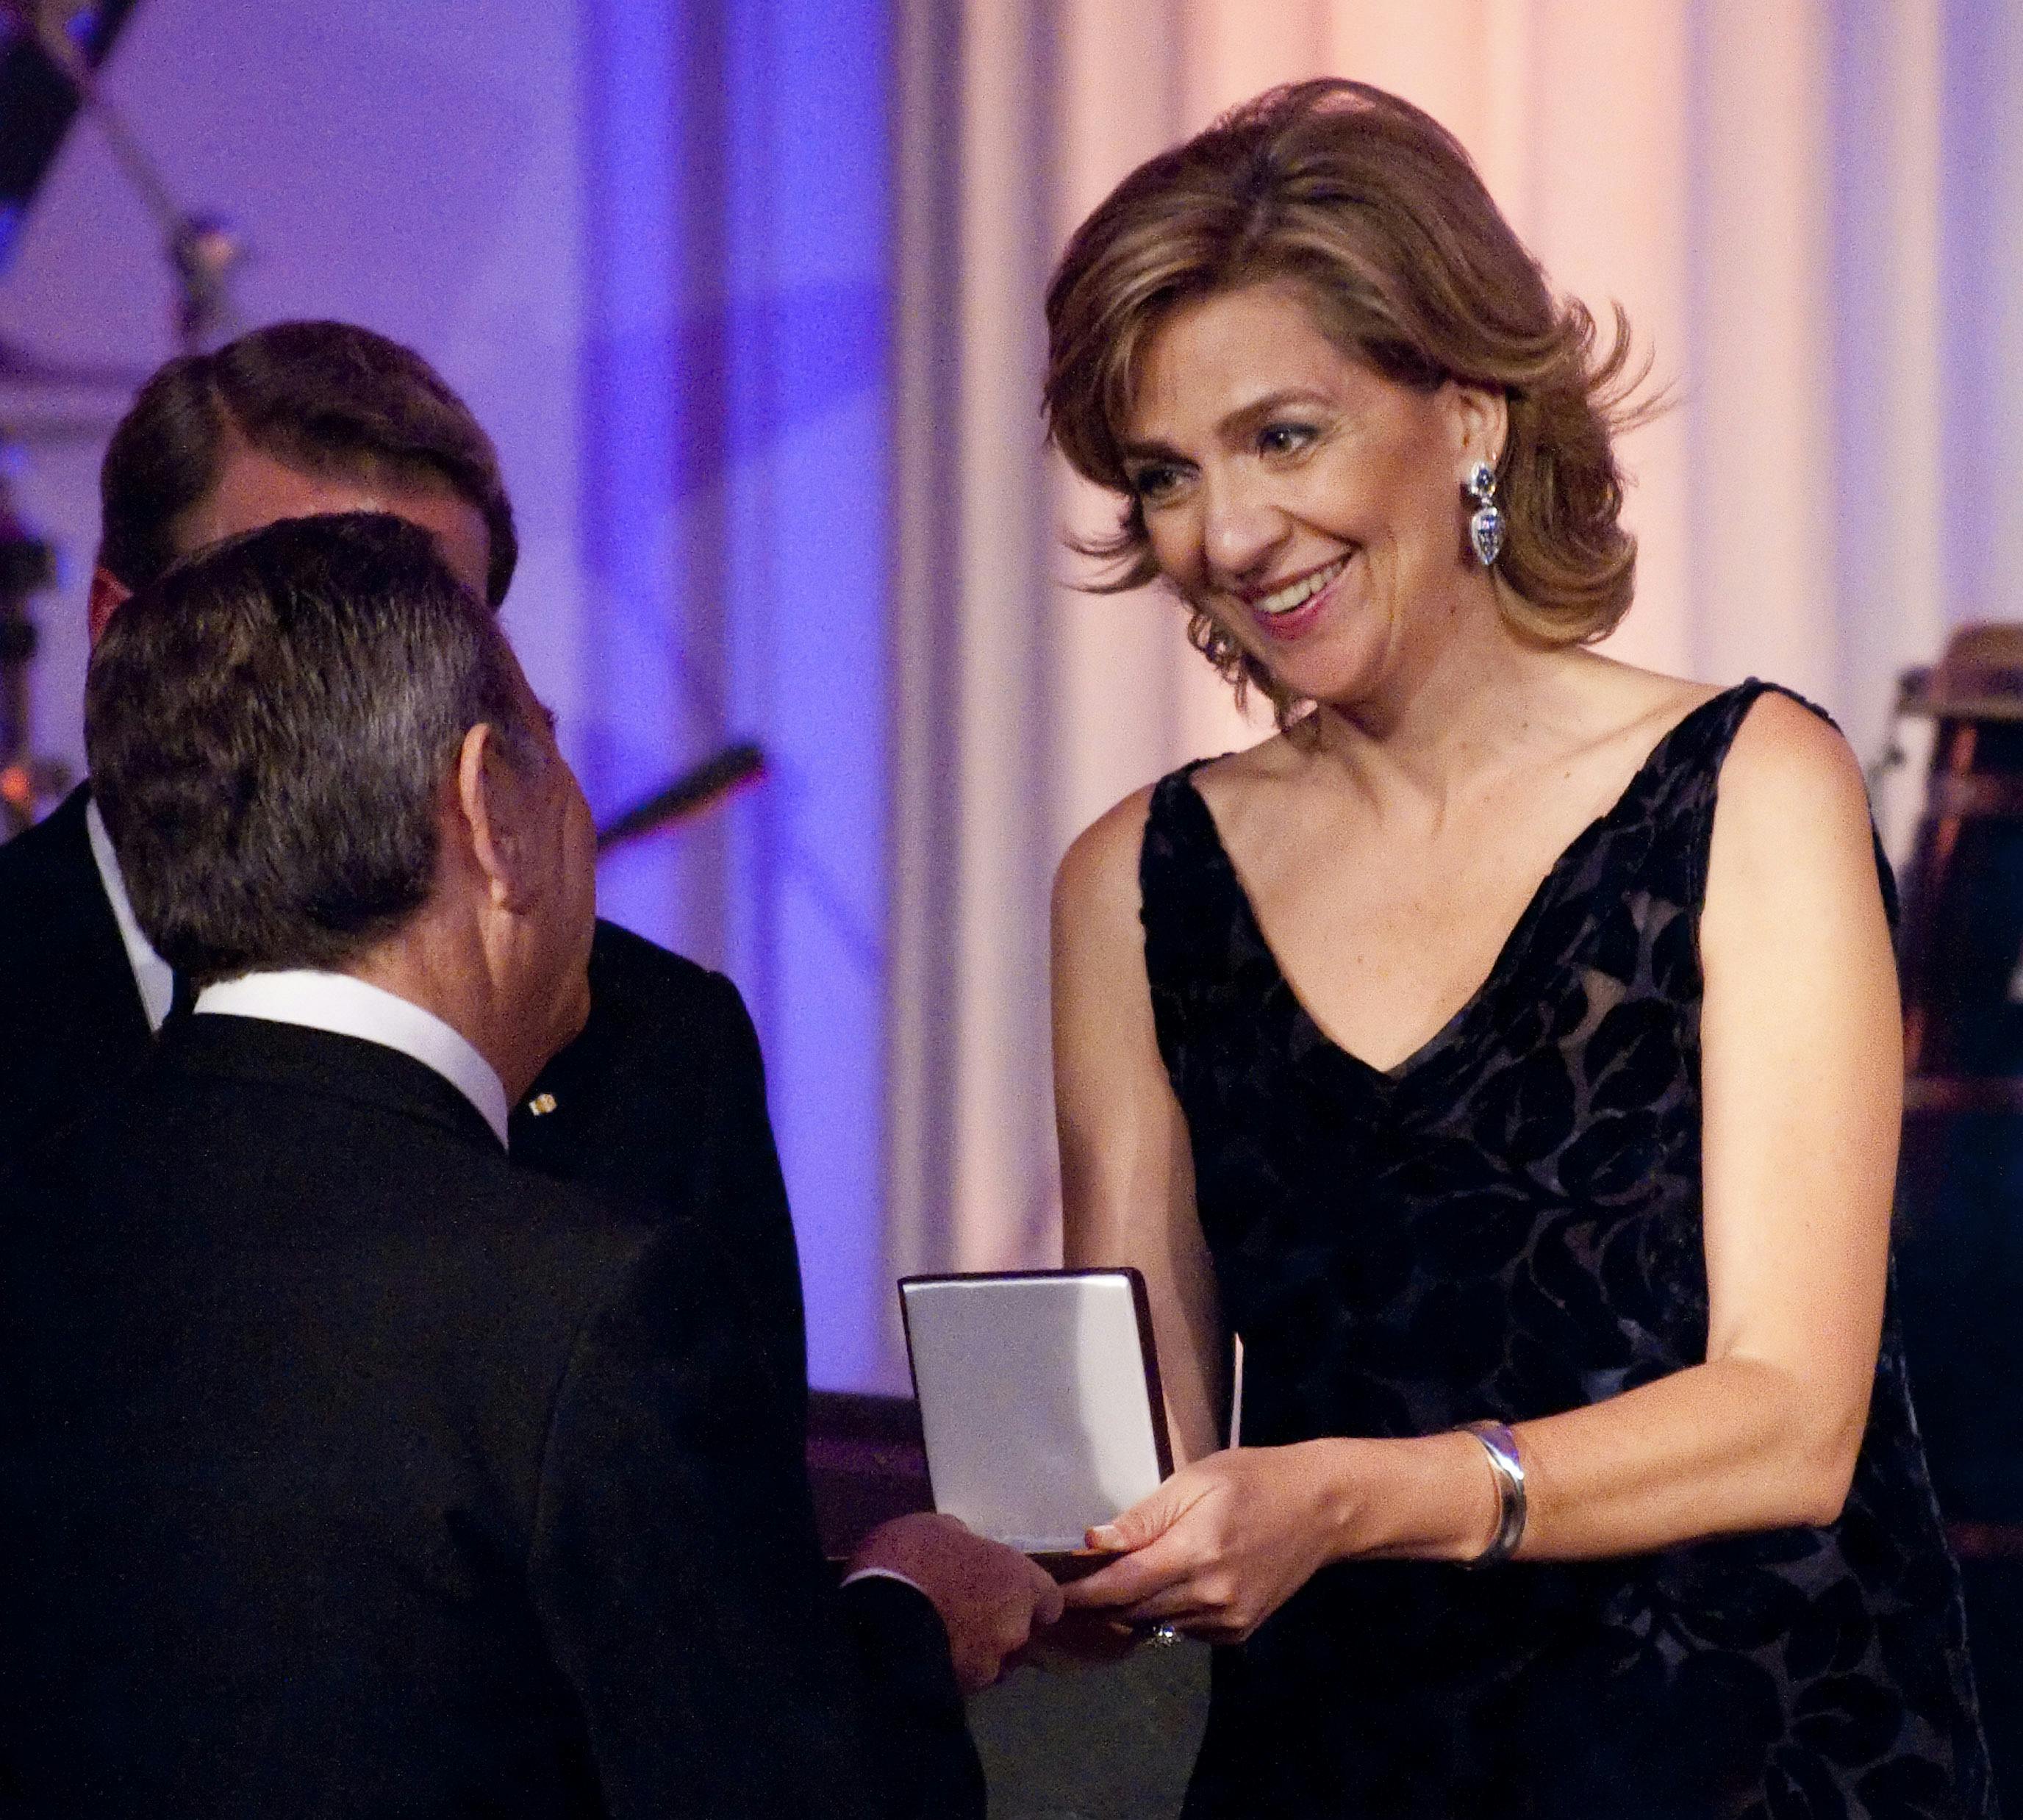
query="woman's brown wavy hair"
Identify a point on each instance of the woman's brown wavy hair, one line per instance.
(1373, 208)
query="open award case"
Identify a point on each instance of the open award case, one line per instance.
(1040, 1401)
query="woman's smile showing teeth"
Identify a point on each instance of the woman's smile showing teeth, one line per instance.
(1298, 593)
(1279, 612)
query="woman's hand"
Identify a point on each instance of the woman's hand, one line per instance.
(1222, 1544)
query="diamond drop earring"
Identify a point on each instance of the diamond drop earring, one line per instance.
(1485, 524)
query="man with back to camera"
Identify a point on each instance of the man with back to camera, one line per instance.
(658, 1105)
(661, 1102)
(344, 1468)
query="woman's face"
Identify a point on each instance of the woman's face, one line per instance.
(1311, 507)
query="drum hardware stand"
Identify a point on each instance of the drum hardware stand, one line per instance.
(1892, 756)
(203, 251)
(1975, 698)
(1962, 965)
(28, 565)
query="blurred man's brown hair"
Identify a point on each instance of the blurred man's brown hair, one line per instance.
(328, 398)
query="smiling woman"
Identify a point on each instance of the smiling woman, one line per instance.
(1508, 1051)
(1347, 233)
(1246, 423)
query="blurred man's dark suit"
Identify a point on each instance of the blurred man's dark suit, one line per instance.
(437, 1488)
(658, 1106)
(71, 1024)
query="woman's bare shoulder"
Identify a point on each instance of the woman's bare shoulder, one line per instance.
(1102, 859)
(1791, 816)
(1115, 832)
(1788, 760)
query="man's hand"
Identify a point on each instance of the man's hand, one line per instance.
(989, 1597)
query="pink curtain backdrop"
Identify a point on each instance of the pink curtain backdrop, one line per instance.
(1687, 160)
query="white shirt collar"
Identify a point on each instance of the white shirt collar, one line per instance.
(152, 974)
(350, 1007)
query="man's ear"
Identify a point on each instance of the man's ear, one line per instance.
(108, 592)
(493, 802)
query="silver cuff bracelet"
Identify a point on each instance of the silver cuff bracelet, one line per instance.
(1507, 1470)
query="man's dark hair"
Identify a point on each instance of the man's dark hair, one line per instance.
(269, 726)
(328, 398)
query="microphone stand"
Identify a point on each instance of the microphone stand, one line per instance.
(700, 788)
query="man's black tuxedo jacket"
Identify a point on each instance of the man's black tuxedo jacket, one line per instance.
(658, 1106)
(346, 1470)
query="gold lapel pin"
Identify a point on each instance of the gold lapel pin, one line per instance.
(541, 1104)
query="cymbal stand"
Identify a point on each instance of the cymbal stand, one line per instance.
(203, 250)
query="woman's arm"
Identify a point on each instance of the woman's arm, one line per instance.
(1802, 1085)
(1127, 1175)
(1801, 1096)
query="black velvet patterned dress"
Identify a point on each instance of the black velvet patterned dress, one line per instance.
(1507, 1224)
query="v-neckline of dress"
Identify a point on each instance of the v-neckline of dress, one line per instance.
(1402, 1070)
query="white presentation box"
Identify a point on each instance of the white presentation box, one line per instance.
(1039, 1394)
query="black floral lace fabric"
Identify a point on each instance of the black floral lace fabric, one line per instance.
(1507, 1225)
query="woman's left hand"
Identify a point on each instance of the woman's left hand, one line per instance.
(1222, 1544)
